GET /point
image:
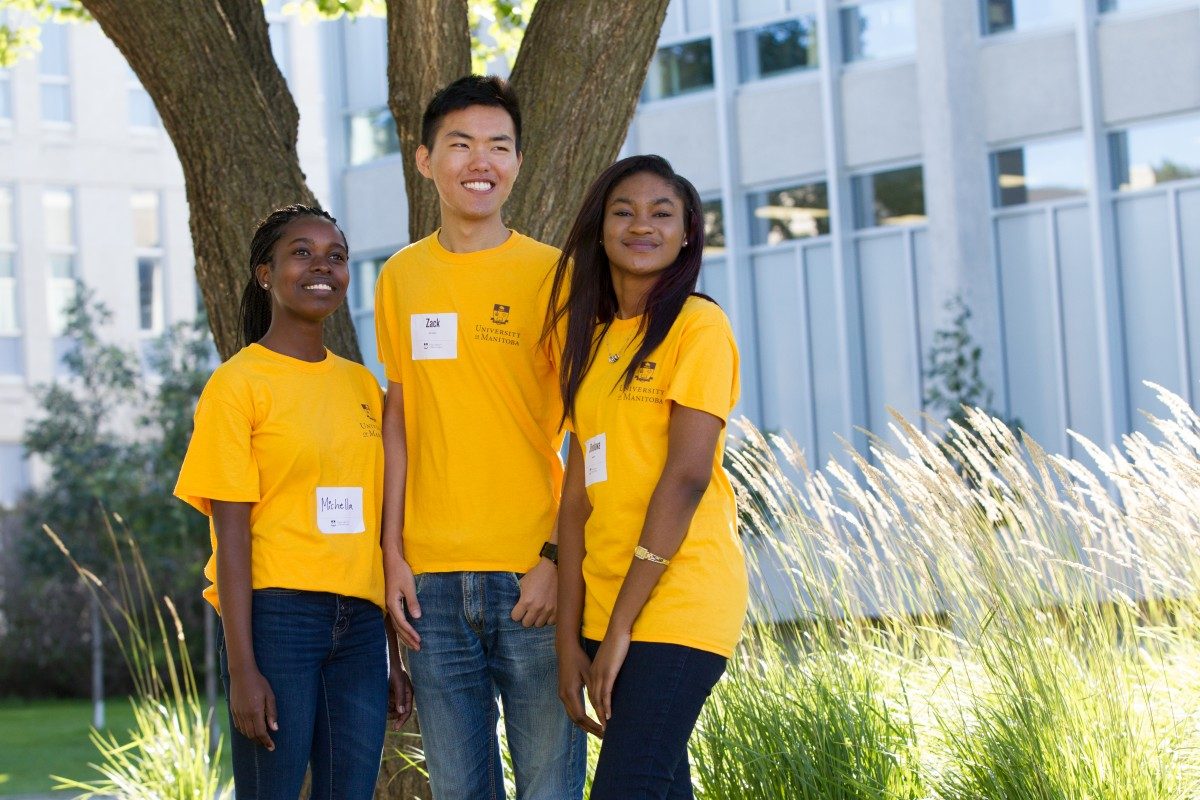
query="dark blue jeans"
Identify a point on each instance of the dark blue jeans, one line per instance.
(325, 657)
(656, 701)
(473, 654)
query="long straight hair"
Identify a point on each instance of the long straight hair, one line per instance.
(583, 290)
(256, 299)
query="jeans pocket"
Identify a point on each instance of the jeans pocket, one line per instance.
(419, 579)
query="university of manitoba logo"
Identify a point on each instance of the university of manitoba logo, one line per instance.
(367, 410)
(645, 372)
(500, 314)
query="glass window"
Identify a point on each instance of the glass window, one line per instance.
(782, 47)
(678, 69)
(150, 293)
(5, 96)
(372, 135)
(7, 226)
(714, 227)
(878, 30)
(362, 284)
(1039, 171)
(58, 215)
(145, 220)
(890, 197)
(1000, 16)
(15, 479)
(1125, 5)
(756, 9)
(1153, 153)
(53, 74)
(796, 212)
(10, 319)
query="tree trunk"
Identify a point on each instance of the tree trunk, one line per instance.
(579, 72)
(228, 111)
(429, 45)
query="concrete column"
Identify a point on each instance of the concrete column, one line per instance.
(957, 175)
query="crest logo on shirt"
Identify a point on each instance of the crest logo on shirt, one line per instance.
(645, 372)
(367, 410)
(500, 314)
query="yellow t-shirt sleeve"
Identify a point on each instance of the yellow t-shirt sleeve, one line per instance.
(388, 337)
(219, 464)
(706, 373)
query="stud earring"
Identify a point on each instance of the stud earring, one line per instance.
(266, 286)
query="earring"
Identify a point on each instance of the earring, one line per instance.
(266, 286)
(685, 242)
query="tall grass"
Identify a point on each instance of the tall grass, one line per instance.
(974, 618)
(169, 754)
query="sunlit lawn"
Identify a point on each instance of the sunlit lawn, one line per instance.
(44, 737)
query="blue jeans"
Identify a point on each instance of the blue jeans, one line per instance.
(325, 657)
(471, 654)
(656, 701)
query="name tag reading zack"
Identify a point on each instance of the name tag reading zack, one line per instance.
(595, 460)
(340, 509)
(434, 336)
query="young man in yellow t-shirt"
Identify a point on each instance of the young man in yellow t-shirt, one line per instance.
(472, 475)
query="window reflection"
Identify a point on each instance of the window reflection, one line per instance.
(774, 49)
(1039, 171)
(678, 69)
(884, 29)
(714, 227)
(796, 212)
(372, 134)
(1000, 16)
(890, 197)
(1154, 153)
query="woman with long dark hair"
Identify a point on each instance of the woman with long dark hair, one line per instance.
(652, 581)
(287, 461)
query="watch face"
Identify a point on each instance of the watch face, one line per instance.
(550, 551)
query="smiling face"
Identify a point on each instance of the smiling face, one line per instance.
(645, 224)
(473, 163)
(309, 271)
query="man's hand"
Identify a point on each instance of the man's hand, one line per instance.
(539, 596)
(400, 589)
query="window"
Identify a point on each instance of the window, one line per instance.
(782, 47)
(58, 215)
(796, 212)
(147, 242)
(54, 74)
(890, 197)
(14, 478)
(142, 113)
(1156, 152)
(10, 309)
(679, 69)
(1126, 5)
(714, 227)
(884, 29)
(362, 284)
(1000, 16)
(1039, 171)
(372, 134)
(5, 96)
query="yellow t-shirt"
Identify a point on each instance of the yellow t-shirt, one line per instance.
(700, 601)
(460, 332)
(302, 442)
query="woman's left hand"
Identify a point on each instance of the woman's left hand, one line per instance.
(400, 697)
(603, 674)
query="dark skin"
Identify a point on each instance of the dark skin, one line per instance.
(643, 234)
(307, 278)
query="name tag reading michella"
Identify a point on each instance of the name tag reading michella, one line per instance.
(340, 509)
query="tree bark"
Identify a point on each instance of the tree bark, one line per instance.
(429, 45)
(233, 122)
(579, 72)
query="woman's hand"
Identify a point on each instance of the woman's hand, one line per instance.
(573, 665)
(252, 706)
(400, 696)
(603, 673)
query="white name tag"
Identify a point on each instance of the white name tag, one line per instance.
(340, 509)
(434, 336)
(595, 460)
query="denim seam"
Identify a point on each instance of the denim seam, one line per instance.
(329, 728)
(674, 696)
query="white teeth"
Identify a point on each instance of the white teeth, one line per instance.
(478, 186)
(324, 286)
